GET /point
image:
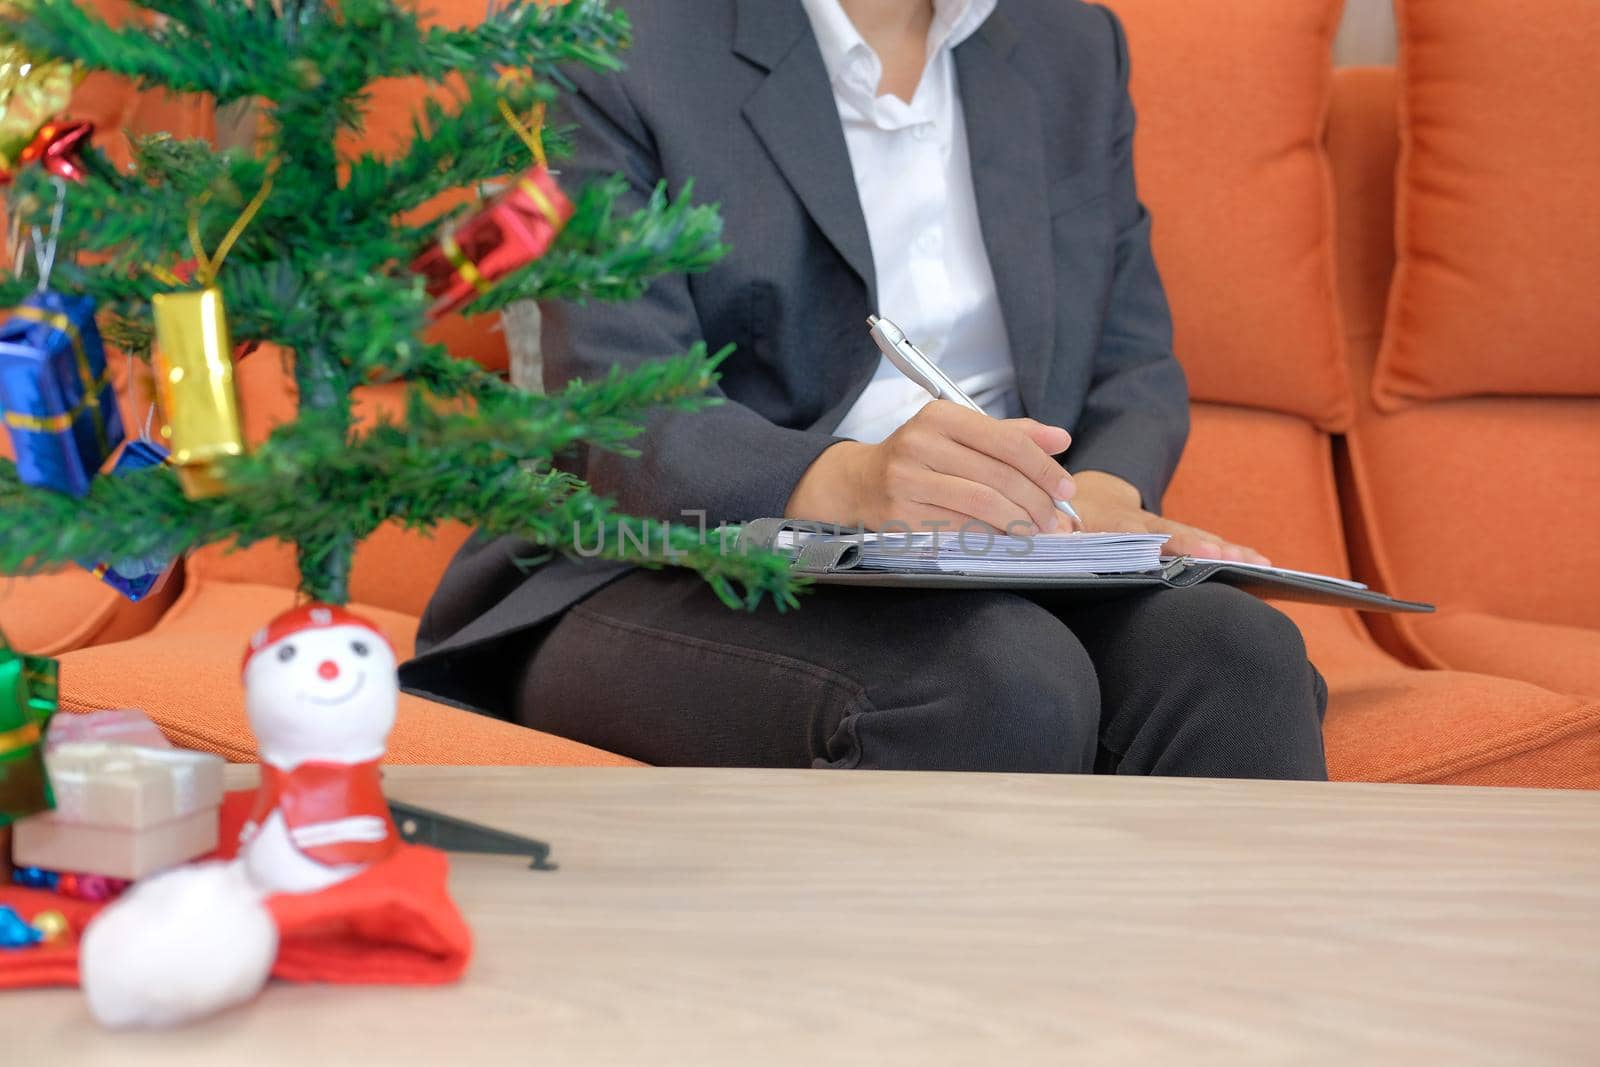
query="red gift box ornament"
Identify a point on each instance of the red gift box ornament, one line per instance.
(513, 230)
(57, 147)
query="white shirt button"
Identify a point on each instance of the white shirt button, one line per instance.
(922, 131)
(929, 243)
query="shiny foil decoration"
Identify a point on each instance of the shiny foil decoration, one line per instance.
(28, 688)
(136, 577)
(56, 392)
(31, 94)
(193, 360)
(58, 147)
(516, 228)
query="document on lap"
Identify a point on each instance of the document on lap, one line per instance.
(1086, 564)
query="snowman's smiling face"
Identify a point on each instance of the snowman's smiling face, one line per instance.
(325, 693)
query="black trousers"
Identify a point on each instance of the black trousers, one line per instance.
(1205, 681)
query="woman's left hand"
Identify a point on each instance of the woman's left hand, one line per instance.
(1110, 505)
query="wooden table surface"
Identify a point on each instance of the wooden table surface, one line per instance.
(772, 917)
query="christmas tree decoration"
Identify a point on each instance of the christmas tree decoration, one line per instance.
(28, 687)
(52, 925)
(121, 726)
(193, 361)
(36, 878)
(90, 886)
(58, 147)
(16, 932)
(55, 389)
(136, 577)
(515, 229)
(32, 92)
(122, 811)
(320, 690)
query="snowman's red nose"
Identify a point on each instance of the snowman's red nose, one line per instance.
(328, 669)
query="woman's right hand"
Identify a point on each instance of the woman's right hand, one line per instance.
(946, 465)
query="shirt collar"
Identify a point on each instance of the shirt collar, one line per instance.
(953, 22)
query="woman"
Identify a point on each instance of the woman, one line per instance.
(963, 167)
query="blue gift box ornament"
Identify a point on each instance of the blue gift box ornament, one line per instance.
(56, 393)
(136, 577)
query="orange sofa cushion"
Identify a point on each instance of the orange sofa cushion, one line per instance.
(1499, 222)
(1231, 96)
(185, 675)
(1478, 505)
(1267, 480)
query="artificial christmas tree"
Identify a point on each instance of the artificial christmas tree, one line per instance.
(306, 250)
(192, 256)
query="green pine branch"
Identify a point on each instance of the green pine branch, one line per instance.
(186, 54)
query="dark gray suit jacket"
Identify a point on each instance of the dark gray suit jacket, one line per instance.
(734, 94)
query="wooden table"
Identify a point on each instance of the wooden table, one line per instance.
(761, 918)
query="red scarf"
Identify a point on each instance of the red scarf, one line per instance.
(315, 793)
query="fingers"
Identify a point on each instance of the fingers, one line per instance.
(950, 457)
(1203, 544)
(969, 500)
(1008, 441)
(1052, 439)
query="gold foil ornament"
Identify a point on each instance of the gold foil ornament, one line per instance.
(193, 361)
(194, 380)
(31, 94)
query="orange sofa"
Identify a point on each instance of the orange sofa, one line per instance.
(1276, 246)
(1472, 473)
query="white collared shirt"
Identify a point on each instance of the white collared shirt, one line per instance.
(914, 177)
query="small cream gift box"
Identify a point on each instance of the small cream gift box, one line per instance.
(122, 811)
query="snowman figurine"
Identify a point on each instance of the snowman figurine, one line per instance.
(320, 691)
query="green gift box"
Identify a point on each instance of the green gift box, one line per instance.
(28, 686)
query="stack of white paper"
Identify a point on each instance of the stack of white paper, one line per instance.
(976, 552)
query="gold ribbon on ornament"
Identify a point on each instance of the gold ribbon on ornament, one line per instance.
(206, 267)
(23, 737)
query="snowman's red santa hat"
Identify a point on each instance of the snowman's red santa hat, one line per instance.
(306, 617)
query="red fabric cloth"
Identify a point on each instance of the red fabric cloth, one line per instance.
(392, 924)
(315, 793)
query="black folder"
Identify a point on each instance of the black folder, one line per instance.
(834, 560)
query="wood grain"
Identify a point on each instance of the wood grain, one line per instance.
(770, 917)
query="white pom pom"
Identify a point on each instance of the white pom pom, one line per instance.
(178, 946)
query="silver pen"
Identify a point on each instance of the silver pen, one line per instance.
(915, 364)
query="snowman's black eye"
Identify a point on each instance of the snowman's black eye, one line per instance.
(358, 647)
(286, 653)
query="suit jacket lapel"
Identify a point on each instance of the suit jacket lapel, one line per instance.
(794, 114)
(1005, 138)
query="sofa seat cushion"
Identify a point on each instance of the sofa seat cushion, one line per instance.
(1395, 724)
(1231, 98)
(48, 614)
(1267, 480)
(185, 674)
(1486, 506)
(1563, 658)
(1499, 234)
